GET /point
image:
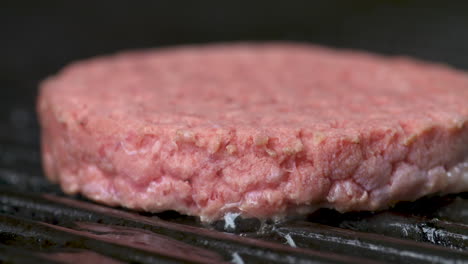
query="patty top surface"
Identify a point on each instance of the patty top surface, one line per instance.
(264, 87)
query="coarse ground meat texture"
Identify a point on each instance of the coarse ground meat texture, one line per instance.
(261, 130)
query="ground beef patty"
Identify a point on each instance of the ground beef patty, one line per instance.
(263, 130)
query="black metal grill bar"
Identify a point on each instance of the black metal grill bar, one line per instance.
(19, 231)
(71, 256)
(10, 254)
(419, 229)
(372, 246)
(53, 210)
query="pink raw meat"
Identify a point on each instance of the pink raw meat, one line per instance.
(263, 130)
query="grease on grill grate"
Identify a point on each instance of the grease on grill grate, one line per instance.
(39, 224)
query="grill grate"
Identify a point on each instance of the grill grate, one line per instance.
(40, 224)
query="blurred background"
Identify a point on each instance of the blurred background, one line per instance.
(39, 37)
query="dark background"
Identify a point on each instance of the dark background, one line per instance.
(37, 38)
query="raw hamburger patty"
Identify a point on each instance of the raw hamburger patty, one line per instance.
(263, 130)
